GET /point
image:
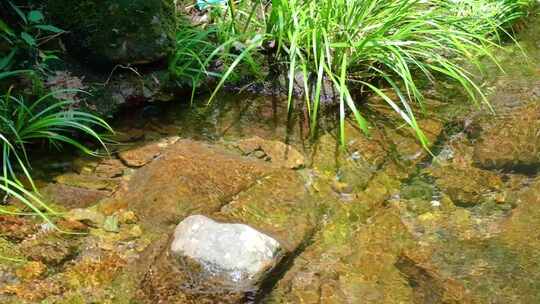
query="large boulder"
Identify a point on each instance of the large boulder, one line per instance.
(188, 177)
(279, 205)
(117, 31)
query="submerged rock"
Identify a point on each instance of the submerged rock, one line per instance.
(72, 197)
(466, 186)
(429, 286)
(349, 262)
(520, 230)
(275, 151)
(110, 168)
(48, 249)
(88, 216)
(90, 182)
(238, 255)
(189, 177)
(512, 142)
(141, 156)
(16, 228)
(278, 205)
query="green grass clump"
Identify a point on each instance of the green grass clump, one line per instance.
(211, 52)
(24, 122)
(487, 17)
(194, 53)
(381, 47)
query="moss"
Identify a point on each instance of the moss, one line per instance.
(119, 31)
(9, 254)
(418, 189)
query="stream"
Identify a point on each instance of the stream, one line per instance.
(379, 221)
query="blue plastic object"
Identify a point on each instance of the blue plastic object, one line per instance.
(204, 4)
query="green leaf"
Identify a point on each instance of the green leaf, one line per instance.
(49, 28)
(19, 12)
(29, 39)
(45, 56)
(13, 73)
(35, 16)
(4, 62)
(5, 28)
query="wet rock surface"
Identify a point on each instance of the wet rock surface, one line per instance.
(113, 89)
(190, 177)
(289, 214)
(273, 151)
(90, 182)
(141, 156)
(73, 197)
(512, 141)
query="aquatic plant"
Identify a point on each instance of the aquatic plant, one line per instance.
(24, 122)
(369, 46)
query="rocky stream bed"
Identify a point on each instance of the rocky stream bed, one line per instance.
(381, 221)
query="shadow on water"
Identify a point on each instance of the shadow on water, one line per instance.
(231, 115)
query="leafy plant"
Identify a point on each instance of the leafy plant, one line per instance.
(375, 46)
(24, 122)
(194, 53)
(487, 16)
(26, 36)
(204, 53)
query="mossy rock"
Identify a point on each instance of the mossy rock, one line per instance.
(107, 32)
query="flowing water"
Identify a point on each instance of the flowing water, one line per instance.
(379, 221)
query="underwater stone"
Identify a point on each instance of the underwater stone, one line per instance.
(138, 157)
(72, 197)
(89, 216)
(238, 255)
(512, 143)
(277, 152)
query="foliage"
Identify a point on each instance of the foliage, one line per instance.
(194, 53)
(360, 42)
(208, 52)
(487, 16)
(24, 122)
(25, 37)
(384, 47)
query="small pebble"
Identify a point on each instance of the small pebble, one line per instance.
(341, 187)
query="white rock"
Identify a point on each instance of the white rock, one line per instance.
(237, 253)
